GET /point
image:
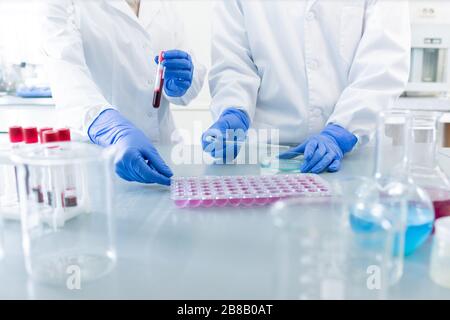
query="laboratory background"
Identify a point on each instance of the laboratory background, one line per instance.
(252, 225)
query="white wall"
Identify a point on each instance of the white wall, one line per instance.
(20, 31)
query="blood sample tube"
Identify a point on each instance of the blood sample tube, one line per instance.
(34, 176)
(11, 178)
(50, 136)
(159, 82)
(69, 195)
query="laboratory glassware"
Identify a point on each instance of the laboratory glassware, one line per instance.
(9, 195)
(391, 171)
(60, 240)
(320, 255)
(244, 190)
(159, 82)
(424, 169)
(271, 163)
(440, 257)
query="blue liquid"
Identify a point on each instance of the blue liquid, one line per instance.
(419, 228)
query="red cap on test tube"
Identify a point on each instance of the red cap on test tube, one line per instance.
(15, 134)
(50, 136)
(41, 132)
(64, 134)
(30, 135)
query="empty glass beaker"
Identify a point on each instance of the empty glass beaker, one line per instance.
(424, 169)
(70, 232)
(341, 247)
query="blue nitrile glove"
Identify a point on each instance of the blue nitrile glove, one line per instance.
(324, 151)
(136, 158)
(232, 126)
(179, 72)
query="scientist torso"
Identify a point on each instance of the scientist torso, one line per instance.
(294, 66)
(109, 48)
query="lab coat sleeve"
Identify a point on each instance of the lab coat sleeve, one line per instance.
(233, 78)
(183, 43)
(380, 68)
(77, 98)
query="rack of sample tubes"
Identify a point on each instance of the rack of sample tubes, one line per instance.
(192, 192)
(53, 191)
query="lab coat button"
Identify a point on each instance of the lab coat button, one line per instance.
(312, 64)
(310, 16)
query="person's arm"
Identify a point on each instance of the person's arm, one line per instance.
(380, 69)
(182, 43)
(78, 99)
(233, 79)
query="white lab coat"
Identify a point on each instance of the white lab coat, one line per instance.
(100, 55)
(298, 65)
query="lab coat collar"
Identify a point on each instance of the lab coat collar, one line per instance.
(147, 11)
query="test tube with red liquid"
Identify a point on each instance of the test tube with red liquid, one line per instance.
(159, 82)
(31, 135)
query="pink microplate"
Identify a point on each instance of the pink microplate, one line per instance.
(244, 191)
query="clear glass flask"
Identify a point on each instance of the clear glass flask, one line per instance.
(424, 169)
(60, 240)
(392, 172)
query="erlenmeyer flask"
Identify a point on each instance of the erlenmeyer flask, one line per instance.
(424, 169)
(391, 171)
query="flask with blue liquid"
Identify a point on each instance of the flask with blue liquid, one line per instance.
(397, 196)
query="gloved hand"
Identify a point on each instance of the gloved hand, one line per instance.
(325, 150)
(136, 158)
(232, 125)
(179, 72)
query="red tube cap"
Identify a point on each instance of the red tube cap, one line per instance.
(30, 135)
(15, 134)
(64, 134)
(50, 136)
(41, 138)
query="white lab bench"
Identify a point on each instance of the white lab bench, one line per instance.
(204, 253)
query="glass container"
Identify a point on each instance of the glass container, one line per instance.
(440, 257)
(391, 170)
(9, 197)
(340, 247)
(424, 169)
(66, 207)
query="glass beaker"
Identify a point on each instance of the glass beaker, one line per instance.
(391, 171)
(440, 257)
(424, 169)
(322, 255)
(66, 236)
